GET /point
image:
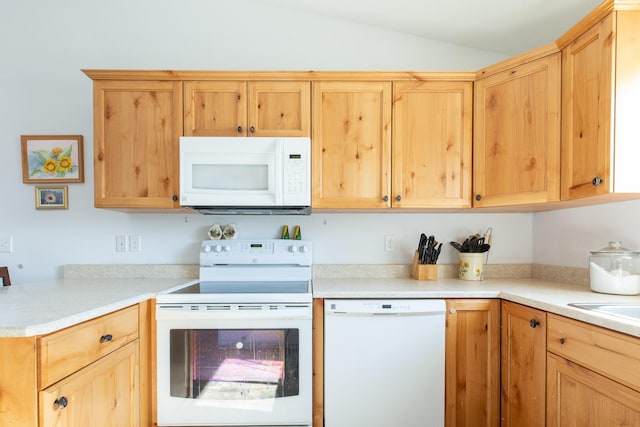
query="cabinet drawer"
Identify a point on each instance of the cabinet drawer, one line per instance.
(64, 352)
(610, 353)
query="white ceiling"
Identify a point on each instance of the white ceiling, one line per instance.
(504, 26)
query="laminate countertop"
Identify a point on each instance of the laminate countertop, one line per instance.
(42, 307)
(39, 308)
(549, 296)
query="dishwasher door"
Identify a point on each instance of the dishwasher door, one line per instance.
(384, 363)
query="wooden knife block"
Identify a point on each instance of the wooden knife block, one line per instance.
(423, 271)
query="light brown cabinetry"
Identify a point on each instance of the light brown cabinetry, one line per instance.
(472, 364)
(593, 375)
(359, 162)
(523, 365)
(600, 93)
(517, 131)
(431, 145)
(87, 374)
(351, 145)
(137, 126)
(240, 108)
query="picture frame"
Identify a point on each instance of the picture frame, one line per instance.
(52, 159)
(52, 197)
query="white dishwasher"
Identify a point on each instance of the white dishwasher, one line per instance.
(384, 363)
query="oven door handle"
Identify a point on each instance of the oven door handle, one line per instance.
(233, 311)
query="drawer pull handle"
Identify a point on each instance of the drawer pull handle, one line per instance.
(562, 340)
(61, 402)
(106, 338)
(533, 323)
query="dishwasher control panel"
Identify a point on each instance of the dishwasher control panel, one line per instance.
(391, 306)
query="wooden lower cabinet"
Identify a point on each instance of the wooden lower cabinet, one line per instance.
(593, 375)
(579, 397)
(472, 367)
(95, 373)
(102, 394)
(523, 365)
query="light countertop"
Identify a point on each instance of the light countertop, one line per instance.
(545, 295)
(43, 307)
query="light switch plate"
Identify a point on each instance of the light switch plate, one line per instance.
(6, 243)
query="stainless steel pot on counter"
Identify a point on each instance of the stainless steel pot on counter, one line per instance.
(615, 270)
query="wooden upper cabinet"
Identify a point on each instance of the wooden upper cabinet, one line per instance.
(351, 144)
(600, 102)
(517, 133)
(240, 108)
(431, 148)
(137, 127)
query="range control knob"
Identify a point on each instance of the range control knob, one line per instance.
(304, 249)
(217, 248)
(206, 248)
(226, 248)
(293, 249)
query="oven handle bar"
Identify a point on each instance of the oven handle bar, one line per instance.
(168, 311)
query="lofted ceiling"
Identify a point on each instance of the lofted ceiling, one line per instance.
(504, 26)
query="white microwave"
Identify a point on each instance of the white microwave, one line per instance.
(252, 175)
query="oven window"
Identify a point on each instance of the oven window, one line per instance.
(234, 364)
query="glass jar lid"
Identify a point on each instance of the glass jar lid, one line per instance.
(614, 248)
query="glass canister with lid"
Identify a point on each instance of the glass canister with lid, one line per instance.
(615, 270)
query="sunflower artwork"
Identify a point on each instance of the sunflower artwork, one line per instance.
(53, 158)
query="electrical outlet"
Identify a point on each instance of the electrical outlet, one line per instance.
(389, 243)
(135, 243)
(6, 244)
(121, 243)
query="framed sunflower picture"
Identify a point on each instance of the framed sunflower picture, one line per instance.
(53, 197)
(52, 158)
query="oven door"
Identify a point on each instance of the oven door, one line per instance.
(234, 364)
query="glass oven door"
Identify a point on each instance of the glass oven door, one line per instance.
(224, 364)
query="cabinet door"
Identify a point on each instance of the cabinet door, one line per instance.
(472, 363)
(215, 108)
(137, 126)
(279, 108)
(517, 135)
(578, 397)
(431, 149)
(351, 145)
(104, 394)
(523, 365)
(587, 66)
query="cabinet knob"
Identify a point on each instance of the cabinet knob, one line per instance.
(478, 197)
(174, 198)
(106, 338)
(385, 198)
(452, 310)
(252, 129)
(533, 323)
(597, 181)
(562, 340)
(398, 198)
(239, 129)
(61, 402)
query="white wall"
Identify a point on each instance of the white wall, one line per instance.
(567, 237)
(42, 91)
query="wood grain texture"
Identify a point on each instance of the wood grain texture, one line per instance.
(18, 382)
(579, 397)
(137, 126)
(279, 109)
(351, 145)
(472, 363)
(523, 366)
(215, 108)
(68, 350)
(517, 135)
(431, 150)
(318, 362)
(104, 394)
